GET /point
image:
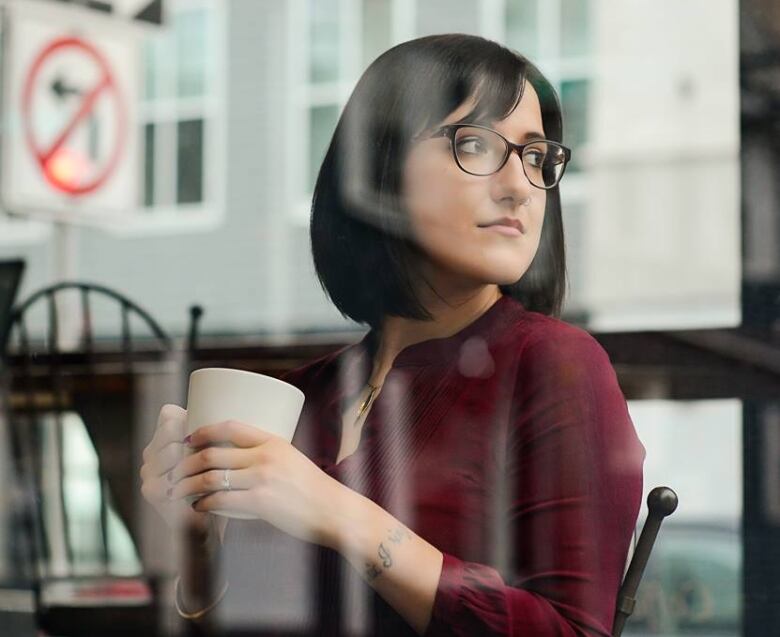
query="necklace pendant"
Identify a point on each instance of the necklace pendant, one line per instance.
(364, 405)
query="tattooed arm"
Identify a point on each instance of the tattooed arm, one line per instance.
(400, 566)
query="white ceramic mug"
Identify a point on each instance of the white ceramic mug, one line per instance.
(217, 394)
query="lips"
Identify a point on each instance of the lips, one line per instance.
(505, 221)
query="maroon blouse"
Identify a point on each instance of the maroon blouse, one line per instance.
(508, 446)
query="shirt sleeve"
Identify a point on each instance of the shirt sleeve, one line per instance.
(574, 474)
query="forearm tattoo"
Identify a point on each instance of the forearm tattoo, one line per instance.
(394, 536)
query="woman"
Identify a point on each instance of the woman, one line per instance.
(471, 461)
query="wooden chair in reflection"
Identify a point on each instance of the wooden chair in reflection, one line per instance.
(661, 503)
(83, 565)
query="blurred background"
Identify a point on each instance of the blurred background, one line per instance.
(183, 187)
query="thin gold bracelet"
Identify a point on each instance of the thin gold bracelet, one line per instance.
(198, 613)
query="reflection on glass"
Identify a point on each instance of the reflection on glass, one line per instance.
(521, 26)
(189, 180)
(190, 34)
(322, 122)
(574, 100)
(692, 584)
(324, 40)
(575, 27)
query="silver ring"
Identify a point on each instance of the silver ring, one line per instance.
(226, 481)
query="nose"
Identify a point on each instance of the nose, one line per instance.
(510, 184)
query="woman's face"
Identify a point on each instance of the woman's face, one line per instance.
(447, 206)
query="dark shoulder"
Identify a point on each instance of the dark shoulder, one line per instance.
(538, 337)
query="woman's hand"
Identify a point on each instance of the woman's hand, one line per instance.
(161, 455)
(269, 478)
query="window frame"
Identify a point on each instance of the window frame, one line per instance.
(305, 95)
(211, 108)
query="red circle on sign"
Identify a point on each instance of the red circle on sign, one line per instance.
(48, 158)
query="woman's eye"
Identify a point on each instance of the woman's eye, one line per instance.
(472, 145)
(536, 158)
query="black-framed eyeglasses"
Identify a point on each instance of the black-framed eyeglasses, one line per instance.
(482, 151)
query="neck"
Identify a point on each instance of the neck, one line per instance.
(451, 313)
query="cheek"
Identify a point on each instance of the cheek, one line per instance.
(537, 218)
(427, 189)
(438, 200)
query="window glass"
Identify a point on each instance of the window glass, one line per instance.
(179, 64)
(574, 101)
(151, 67)
(522, 33)
(82, 492)
(446, 16)
(324, 40)
(149, 164)
(692, 583)
(190, 35)
(189, 183)
(377, 20)
(322, 122)
(575, 27)
(159, 65)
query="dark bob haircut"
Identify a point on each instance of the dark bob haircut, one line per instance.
(363, 250)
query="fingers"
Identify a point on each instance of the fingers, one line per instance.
(211, 458)
(163, 461)
(238, 433)
(212, 481)
(220, 500)
(171, 427)
(155, 490)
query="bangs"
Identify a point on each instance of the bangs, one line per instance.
(496, 91)
(492, 77)
(488, 74)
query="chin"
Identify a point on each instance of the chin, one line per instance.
(498, 276)
(509, 279)
(505, 273)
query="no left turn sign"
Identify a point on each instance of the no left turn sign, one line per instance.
(74, 124)
(71, 138)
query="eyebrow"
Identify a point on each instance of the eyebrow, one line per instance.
(526, 137)
(532, 135)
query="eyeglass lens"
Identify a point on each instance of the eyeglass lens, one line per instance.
(481, 152)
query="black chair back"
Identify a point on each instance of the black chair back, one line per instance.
(661, 503)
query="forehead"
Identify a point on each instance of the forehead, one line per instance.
(527, 115)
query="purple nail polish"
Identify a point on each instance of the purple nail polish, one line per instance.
(186, 441)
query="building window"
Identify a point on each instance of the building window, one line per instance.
(181, 116)
(556, 36)
(342, 38)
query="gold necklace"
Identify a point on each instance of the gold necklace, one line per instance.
(364, 405)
